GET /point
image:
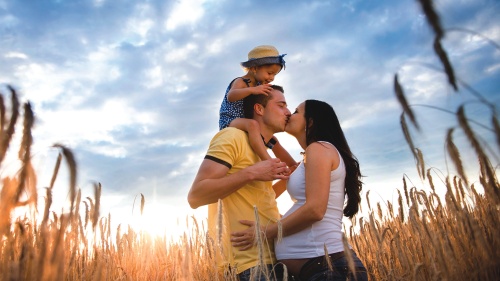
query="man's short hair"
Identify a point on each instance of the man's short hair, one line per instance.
(251, 100)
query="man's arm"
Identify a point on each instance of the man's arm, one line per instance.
(212, 182)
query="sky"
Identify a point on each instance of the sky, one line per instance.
(133, 88)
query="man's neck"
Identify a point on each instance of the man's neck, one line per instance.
(265, 132)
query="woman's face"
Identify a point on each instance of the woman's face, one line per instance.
(297, 123)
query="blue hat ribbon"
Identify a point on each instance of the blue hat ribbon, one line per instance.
(282, 61)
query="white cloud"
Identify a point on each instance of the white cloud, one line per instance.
(98, 3)
(102, 55)
(46, 82)
(76, 126)
(110, 150)
(8, 20)
(184, 12)
(16, 55)
(492, 69)
(422, 84)
(215, 46)
(365, 114)
(155, 78)
(41, 82)
(138, 27)
(182, 53)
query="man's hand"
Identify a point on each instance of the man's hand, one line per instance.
(269, 170)
(212, 182)
(245, 239)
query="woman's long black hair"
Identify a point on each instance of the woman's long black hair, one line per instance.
(323, 125)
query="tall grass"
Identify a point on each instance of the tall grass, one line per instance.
(430, 237)
(427, 239)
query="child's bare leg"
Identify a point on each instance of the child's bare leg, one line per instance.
(252, 128)
(283, 155)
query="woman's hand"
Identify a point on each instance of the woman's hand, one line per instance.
(245, 239)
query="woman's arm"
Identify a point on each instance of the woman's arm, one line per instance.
(321, 159)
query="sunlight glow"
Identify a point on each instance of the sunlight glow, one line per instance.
(159, 219)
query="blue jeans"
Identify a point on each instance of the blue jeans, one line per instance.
(341, 271)
(273, 273)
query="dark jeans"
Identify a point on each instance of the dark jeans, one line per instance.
(270, 272)
(340, 271)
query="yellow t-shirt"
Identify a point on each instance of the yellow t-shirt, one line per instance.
(231, 147)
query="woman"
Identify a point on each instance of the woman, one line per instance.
(318, 186)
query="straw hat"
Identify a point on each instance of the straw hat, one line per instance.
(262, 55)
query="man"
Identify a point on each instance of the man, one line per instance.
(233, 173)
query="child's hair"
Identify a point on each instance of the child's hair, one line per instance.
(262, 55)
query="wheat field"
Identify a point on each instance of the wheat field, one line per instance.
(423, 237)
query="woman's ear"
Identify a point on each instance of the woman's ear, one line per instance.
(309, 123)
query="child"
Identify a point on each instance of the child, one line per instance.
(264, 62)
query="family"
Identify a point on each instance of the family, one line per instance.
(235, 180)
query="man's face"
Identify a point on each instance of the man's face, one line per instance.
(276, 113)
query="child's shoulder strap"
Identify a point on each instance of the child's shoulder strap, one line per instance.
(246, 80)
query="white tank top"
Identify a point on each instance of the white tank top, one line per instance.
(310, 242)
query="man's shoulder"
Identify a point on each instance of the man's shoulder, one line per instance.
(231, 137)
(231, 133)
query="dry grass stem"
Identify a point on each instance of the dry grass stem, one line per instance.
(420, 163)
(8, 132)
(455, 155)
(403, 102)
(432, 17)
(443, 56)
(496, 127)
(435, 22)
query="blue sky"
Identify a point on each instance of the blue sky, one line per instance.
(134, 87)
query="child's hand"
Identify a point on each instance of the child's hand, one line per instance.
(292, 168)
(264, 89)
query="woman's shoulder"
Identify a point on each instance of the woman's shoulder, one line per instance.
(321, 146)
(323, 151)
